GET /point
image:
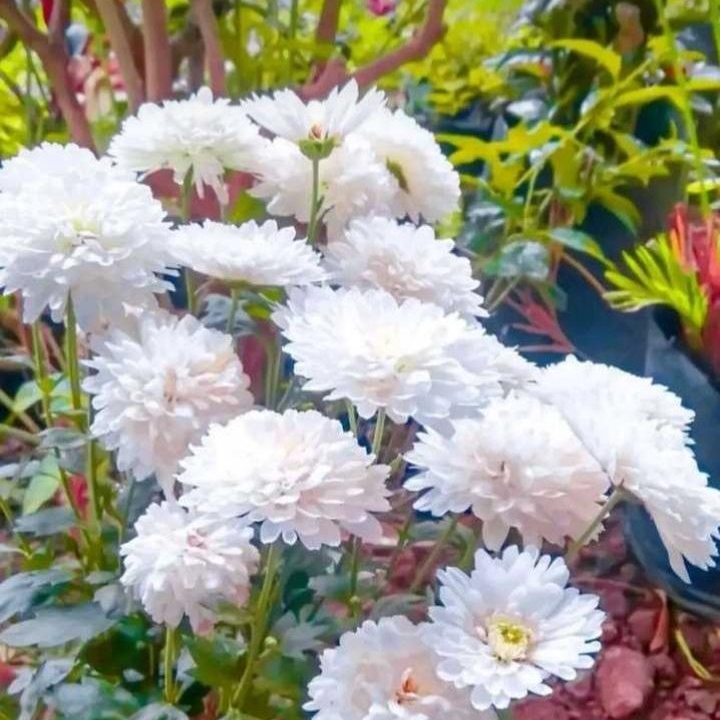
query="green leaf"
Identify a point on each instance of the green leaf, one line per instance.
(43, 485)
(645, 95)
(55, 626)
(520, 258)
(246, 208)
(93, 699)
(22, 591)
(46, 522)
(47, 675)
(577, 240)
(620, 206)
(606, 57)
(216, 659)
(27, 395)
(159, 711)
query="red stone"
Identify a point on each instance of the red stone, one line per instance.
(643, 622)
(624, 680)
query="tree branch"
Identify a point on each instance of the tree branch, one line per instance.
(54, 59)
(158, 57)
(328, 22)
(120, 41)
(214, 59)
(416, 48)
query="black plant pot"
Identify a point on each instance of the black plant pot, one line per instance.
(668, 364)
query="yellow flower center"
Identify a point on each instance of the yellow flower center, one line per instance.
(509, 640)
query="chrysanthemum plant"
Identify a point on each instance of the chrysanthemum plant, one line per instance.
(235, 507)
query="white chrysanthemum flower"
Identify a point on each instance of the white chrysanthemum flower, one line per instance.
(509, 626)
(425, 184)
(561, 382)
(408, 357)
(299, 475)
(385, 671)
(518, 465)
(183, 564)
(352, 182)
(79, 226)
(248, 254)
(405, 260)
(287, 116)
(157, 394)
(198, 135)
(636, 430)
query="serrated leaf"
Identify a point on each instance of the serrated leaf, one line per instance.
(216, 659)
(43, 485)
(21, 591)
(297, 637)
(55, 626)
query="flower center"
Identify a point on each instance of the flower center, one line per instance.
(316, 132)
(408, 690)
(81, 231)
(509, 640)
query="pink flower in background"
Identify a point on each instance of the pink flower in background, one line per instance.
(381, 7)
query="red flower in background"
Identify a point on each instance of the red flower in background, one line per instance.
(381, 7)
(695, 242)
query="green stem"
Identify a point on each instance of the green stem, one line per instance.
(91, 476)
(403, 537)
(41, 374)
(273, 370)
(434, 555)
(169, 662)
(355, 545)
(378, 433)
(315, 202)
(5, 509)
(352, 417)
(185, 211)
(616, 496)
(24, 418)
(71, 354)
(22, 435)
(259, 627)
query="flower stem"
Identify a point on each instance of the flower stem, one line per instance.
(169, 662)
(315, 202)
(71, 353)
(616, 496)
(352, 417)
(378, 433)
(259, 627)
(185, 211)
(41, 374)
(434, 555)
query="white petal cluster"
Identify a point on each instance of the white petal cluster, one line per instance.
(424, 183)
(408, 357)
(156, 394)
(250, 254)
(637, 432)
(71, 224)
(286, 115)
(510, 625)
(198, 135)
(385, 671)
(298, 474)
(352, 181)
(517, 465)
(405, 260)
(180, 565)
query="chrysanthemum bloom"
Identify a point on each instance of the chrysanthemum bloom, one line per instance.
(298, 474)
(405, 260)
(509, 626)
(517, 465)
(79, 226)
(156, 394)
(425, 184)
(287, 116)
(183, 564)
(409, 357)
(199, 135)
(352, 181)
(385, 671)
(637, 431)
(560, 384)
(248, 254)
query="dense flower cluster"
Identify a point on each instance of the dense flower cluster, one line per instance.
(382, 389)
